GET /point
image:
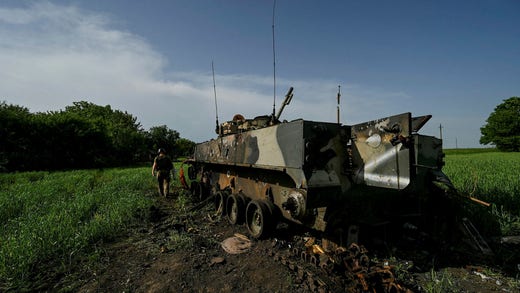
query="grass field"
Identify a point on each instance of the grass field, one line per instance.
(53, 217)
(48, 219)
(490, 176)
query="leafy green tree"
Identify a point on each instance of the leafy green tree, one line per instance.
(15, 124)
(503, 126)
(162, 137)
(84, 135)
(124, 131)
(63, 140)
(184, 147)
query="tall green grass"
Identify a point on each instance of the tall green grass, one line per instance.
(490, 176)
(470, 151)
(52, 217)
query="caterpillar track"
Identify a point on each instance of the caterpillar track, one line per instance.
(349, 269)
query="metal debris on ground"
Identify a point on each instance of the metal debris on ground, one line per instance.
(351, 267)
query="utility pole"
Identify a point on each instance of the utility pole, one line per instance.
(440, 130)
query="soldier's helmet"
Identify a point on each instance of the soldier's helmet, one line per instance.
(161, 150)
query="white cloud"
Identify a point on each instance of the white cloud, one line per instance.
(53, 55)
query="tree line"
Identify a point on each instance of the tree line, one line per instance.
(84, 135)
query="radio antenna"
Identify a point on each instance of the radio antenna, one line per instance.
(274, 68)
(215, 94)
(339, 96)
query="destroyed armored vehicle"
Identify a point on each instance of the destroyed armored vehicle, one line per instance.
(345, 180)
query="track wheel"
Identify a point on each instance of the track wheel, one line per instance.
(235, 209)
(258, 219)
(220, 202)
(197, 190)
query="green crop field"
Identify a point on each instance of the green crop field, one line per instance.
(47, 219)
(490, 176)
(53, 217)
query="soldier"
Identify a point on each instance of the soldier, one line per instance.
(162, 166)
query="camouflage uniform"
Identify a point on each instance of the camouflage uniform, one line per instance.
(163, 166)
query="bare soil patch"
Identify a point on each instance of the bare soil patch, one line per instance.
(176, 251)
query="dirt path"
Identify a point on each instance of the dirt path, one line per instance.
(179, 253)
(175, 252)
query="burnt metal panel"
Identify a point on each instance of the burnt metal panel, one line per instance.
(381, 150)
(418, 122)
(279, 147)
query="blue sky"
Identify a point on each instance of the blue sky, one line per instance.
(455, 60)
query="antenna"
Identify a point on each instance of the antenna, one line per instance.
(339, 96)
(274, 67)
(215, 93)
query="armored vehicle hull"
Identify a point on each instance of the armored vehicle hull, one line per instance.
(325, 176)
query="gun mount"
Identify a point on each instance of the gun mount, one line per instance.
(288, 98)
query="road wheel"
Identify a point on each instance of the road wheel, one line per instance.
(220, 202)
(197, 190)
(258, 220)
(236, 208)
